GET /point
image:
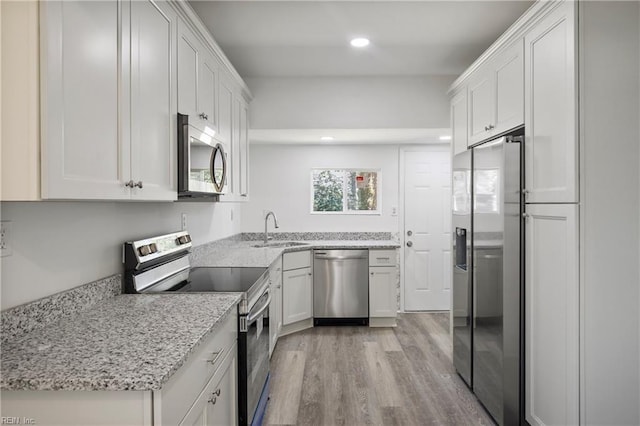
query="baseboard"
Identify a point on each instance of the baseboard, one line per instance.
(383, 322)
(296, 326)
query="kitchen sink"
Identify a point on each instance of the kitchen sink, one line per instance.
(280, 244)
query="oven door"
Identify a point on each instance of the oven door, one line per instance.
(253, 348)
(202, 162)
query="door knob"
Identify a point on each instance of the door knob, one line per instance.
(409, 244)
(409, 233)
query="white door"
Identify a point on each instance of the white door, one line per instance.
(427, 229)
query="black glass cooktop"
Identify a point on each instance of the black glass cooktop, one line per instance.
(205, 279)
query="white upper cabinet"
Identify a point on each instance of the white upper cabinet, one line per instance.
(85, 140)
(243, 147)
(188, 61)
(509, 81)
(481, 106)
(108, 100)
(550, 108)
(459, 132)
(153, 101)
(197, 80)
(496, 95)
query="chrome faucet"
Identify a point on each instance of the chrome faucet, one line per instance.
(275, 222)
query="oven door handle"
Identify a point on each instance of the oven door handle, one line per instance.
(254, 315)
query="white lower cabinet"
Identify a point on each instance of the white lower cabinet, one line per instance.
(383, 279)
(297, 287)
(275, 309)
(217, 404)
(297, 293)
(552, 320)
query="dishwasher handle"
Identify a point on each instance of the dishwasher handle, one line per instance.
(324, 256)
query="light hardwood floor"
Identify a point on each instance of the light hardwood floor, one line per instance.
(371, 376)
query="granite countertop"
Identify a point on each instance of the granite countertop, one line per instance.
(245, 254)
(128, 342)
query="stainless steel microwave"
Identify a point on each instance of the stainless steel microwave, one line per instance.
(202, 162)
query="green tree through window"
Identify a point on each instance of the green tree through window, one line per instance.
(348, 191)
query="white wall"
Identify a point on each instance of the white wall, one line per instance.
(350, 102)
(60, 245)
(281, 181)
(610, 205)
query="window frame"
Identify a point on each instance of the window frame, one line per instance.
(344, 211)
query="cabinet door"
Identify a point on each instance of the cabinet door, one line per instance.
(296, 296)
(552, 318)
(243, 142)
(188, 60)
(217, 405)
(275, 309)
(153, 100)
(208, 77)
(459, 132)
(481, 106)
(509, 82)
(85, 144)
(382, 292)
(550, 108)
(225, 108)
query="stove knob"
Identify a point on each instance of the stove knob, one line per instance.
(183, 239)
(144, 250)
(153, 248)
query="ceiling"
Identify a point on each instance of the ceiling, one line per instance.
(311, 38)
(348, 136)
(306, 38)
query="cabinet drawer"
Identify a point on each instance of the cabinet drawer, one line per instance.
(296, 260)
(382, 258)
(187, 383)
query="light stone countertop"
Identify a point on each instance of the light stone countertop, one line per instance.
(128, 342)
(138, 341)
(245, 254)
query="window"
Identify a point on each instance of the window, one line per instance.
(345, 191)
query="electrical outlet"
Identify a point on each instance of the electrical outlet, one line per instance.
(184, 221)
(394, 211)
(5, 238)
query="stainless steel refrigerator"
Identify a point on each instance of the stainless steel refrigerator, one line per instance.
(487, 278)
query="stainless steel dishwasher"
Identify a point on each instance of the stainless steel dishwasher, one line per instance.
(341, 287)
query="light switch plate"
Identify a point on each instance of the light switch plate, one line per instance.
(5, 238)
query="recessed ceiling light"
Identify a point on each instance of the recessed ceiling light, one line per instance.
(360, 42)
(327, 138)
(445, 138)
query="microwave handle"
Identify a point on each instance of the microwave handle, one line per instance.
(183, 152)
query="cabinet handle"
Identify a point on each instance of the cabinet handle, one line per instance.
(138, 184)
(217, 355)
(525, 192)
(491, 126)
(525, 216)
(204, 116)
(486, 128)
(309, 273)
(372, 273)
(129, 184)
(409, 244)
(217, 392)
(382, 258)
(278, 286)
(213, 399)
